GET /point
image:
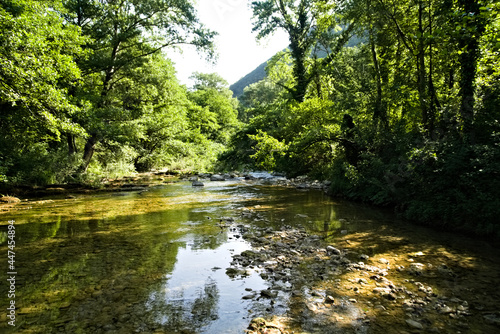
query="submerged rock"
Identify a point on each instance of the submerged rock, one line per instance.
(492, 319)
(9, 199)
(261, 326)
(329, 300)
(268, 293)
(217, 177)
(414, 324)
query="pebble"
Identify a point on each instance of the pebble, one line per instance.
(333, 251)
(9, 199)
(414, 324)
(329, 300)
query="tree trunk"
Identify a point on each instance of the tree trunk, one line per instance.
(468, 65)
(88, 151)
(89, 148)
(379, 114)
(299, 71)
(434, 101)
(72, 149)
(422, 89)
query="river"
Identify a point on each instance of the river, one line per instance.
(184, 259)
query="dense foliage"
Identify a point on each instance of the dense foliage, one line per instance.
(86, 91)
(409, 117)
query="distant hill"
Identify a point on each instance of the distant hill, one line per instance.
(260, 72)
(255, 76)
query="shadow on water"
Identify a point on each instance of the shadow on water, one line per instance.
(154, 262)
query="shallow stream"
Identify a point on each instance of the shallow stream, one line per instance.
(157, 261)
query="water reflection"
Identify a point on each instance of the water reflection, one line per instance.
(197, 296)
(177, 309)
(147, 262)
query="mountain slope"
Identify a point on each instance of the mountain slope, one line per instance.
(256, 75)
(260, 72)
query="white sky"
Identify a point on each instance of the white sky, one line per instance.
(239, 52)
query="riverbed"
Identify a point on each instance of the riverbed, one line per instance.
(173, 258)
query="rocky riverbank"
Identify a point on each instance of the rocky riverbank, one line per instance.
(333, 288)
(143, 181)
(263, 178)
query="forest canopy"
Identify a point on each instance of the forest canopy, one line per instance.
(87, 91)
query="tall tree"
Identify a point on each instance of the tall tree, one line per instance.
(305, 22)
(471, 25)
(215, 111)
(37, 69)
(123, 34)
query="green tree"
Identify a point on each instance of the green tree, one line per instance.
(306, 23)
(37, 70)
(37, 75)
(409, 117)
(123, 34)
(157, 107)
(215, 111)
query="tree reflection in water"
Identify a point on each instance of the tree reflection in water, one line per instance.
(182, 309)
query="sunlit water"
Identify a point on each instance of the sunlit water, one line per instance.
(155, 261)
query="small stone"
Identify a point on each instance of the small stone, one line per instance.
(381, 291)
(329, 300)
(268, 294)
(414, 324)
(333, 251)
(390, 296)
(198, 184)
(316, 294)
(362, 281)
(232, 271)
(446, 310)
(217, 177)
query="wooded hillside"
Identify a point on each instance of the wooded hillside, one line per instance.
(409, 118)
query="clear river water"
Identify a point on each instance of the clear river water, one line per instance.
(157, 261)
